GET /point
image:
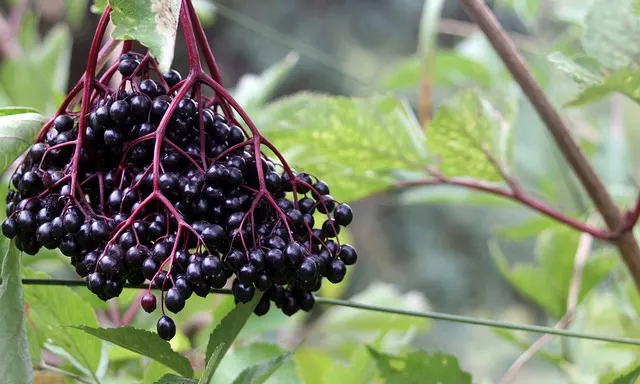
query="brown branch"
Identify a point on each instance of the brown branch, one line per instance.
(573, 154)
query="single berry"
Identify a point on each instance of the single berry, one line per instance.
(166, 328)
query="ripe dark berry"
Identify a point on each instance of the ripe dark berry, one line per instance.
(26, 221)
(348, 254)
(211, 266)
(244, 292)
(119, 111)
(326, 204)
(174, 301)
(10, 228)
(343, 215)
(63, 123)
(306, 301)
(307, 205)
(330, 228)
(113, 137)
(320, 188)
(166, 328)
(172, 77)
(247, 274)
(95, 283)
(293, 253)
(183, 286)
(127, 67)
(289, 305)
(307, 269)
(336, 271)
(262, 308)
(213, 235)
(140, 107)
(99, 231)
(194, 273)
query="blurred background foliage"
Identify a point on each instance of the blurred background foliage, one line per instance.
(442, 248)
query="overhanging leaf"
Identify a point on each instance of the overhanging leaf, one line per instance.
(212, 365)
(626, 82)
(225, 333)
(151, 22)
(17, 132)
(54, 309)
(15, 365)
(579, 73)
(461, 135)
(259, 373)
(612, 32)
(144, 343)
(418, 367)
(351, 143)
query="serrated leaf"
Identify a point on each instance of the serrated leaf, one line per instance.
(15, 365)
(153, 23)
(353, 144)
(259, 373)
(626, 82)
(54, 309)
(547, 282)
(17, 132)
(350, 322)
(612, 32)
(248, 357)
(144, 343)
(629, 378)
(419, 367)
(212, 364)
(173, 379)
(253, 91)
(225, 333)
(581, 75)
(461, 135)
(359, 368)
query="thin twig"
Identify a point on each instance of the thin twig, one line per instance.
(396, 311)
(521, 198)
(584, 249)
(573, 154)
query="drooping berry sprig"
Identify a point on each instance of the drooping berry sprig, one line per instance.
(154, 181)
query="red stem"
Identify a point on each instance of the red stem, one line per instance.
(518, 197)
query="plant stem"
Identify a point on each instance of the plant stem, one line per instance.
(396, 311)
(571, 151)
(518, 197)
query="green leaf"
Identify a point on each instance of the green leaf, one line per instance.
(417, 366)
(626, 82)
(15, 365)
(259, 373)
(173, 379)
(313, 364)
(450, 69)
(528, 228)
(7, 111)
(353, 144)
(98, 6)
(54, 309)
(212, 364)
(612, 32)
(547, 282)
(629, 378)
(225, 333)
(461, 135)
(341, 322)
(17, 132)
(361, 368)
(144, 343)
(580, 74)
(153, 23)
(253, 91)
(247, 359)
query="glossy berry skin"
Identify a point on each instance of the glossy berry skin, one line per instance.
(166, 328)
(343, 215)
(174, 301)
(348, 254)
(10, 228)
(244, 292)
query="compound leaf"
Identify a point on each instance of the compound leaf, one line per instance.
(354, 144)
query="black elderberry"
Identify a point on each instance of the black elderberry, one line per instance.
(294, 253)
(235, 136)
(149, 268)
(113, 137)
(244, 292)
(172, 77)
(166, 328)
(343, 215)
(183, 286)
(306, 301)
(303, 183)
(63, 123)
(194, 273)
(135, 256)
(127, 66)
(99, 231)
(307, 269)
(211, 266)
(10, 228)
(262, 308)
(247, 274)
(307, 205)
(119, 111)
(26, 221)
(336, 271)
(150, 88)
(140, 107)
(257, 259)
(289, 305)
(326, 204)
(174, 301)
(95, 283)
(348, 254)
(330, 228)
(213, 235)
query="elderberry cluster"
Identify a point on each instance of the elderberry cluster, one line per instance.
(183, 201)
